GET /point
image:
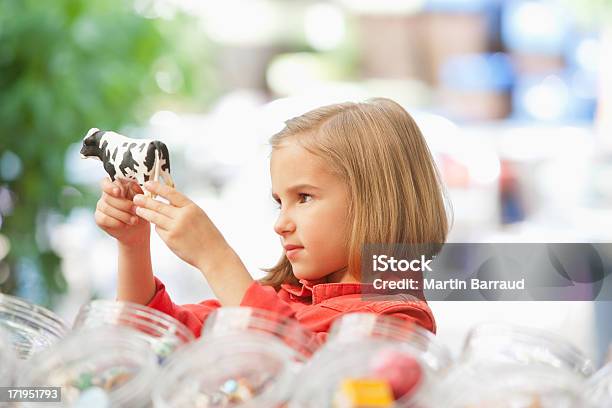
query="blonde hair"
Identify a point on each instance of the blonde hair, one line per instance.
(395, 191)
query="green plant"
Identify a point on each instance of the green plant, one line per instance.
(65, 66)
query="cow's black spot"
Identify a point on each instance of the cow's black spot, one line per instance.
(146, 178)
(104, 154)
(106, 160)
(127, 162)
(149, 160)
(110, 169)
(163, 150)
(142, 146)
(115, 153)
(124, 144)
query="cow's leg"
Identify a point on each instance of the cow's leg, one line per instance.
(168, 179)
(110, 169)
(147, 193)
(156, 167)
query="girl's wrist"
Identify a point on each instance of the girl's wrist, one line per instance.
(221, 261)
(213, 258)
(135, 246)
(226, 275)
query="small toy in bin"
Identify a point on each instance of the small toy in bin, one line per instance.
(363, 393)
(95, 367)
(162, 332)
(402, 371)
(139, 160)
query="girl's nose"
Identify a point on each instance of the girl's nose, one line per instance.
(283, 225)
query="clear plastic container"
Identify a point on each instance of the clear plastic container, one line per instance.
(96, 367)
(505, 343)
(511, 386)
(403, 358)
(164, 333)
(231, 320)
(249, 370)
(503, 365)
(256, 355)
(31, 328)
(7, 360)
(369, 326)
(598, 390)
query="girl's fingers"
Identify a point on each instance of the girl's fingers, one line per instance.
(107, 221)
(119, 203)
(115, 213)
(169, 193)
(113, 188)
(157, 206)
(156, 218)
(109, 187)
(120, 187)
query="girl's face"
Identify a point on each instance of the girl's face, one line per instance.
(313, 212)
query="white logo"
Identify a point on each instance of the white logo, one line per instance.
(383, 263)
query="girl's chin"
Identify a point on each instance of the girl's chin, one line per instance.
(307, 276)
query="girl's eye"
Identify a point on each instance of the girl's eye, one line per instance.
(303, 196)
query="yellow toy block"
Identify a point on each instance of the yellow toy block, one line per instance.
(363, 393)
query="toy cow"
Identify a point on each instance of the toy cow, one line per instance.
(129, 159)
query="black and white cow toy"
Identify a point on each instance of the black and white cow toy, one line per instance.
(129, 159)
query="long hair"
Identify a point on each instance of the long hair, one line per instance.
(395, 191)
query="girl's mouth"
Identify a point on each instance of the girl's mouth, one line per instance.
(291, 251)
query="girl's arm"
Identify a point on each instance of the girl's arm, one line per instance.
(193, 237)
(135, 282)
(226, 274)
(115, 215)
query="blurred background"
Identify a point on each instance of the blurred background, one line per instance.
(511, 96)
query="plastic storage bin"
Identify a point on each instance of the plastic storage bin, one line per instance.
(506, 343)
(236, 320)
(164, 333)
(376, 360)
(598, 390)
(511, 386)
(96, 367)
(31, 328)
(245, 358)
(509, 366)
(7, 360)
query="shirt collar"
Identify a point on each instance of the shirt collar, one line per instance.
(318, 290)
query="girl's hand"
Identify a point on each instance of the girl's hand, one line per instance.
(182, 225)
(115, 213)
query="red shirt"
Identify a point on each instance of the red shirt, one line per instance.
(313, 304)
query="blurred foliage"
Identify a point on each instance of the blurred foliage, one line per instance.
(66, 66)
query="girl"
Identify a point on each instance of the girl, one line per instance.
(343, 176)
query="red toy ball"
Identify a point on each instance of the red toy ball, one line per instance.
(402, 371)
